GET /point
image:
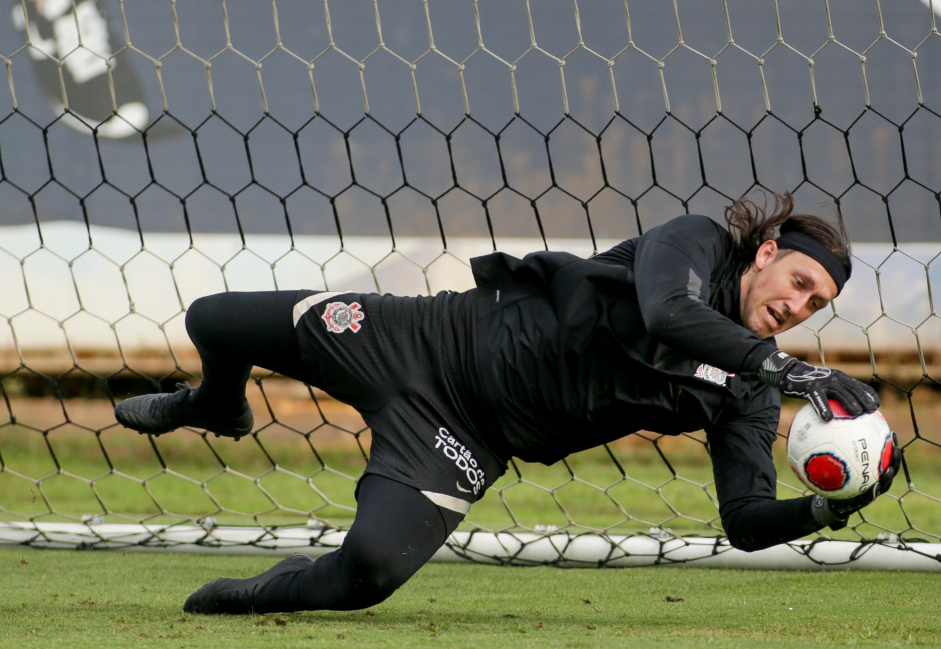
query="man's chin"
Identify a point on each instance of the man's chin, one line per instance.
(762, 332)
(776, 332)
(763, 329)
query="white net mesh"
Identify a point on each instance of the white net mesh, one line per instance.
(155, 152)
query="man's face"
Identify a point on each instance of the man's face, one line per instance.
(782, 289)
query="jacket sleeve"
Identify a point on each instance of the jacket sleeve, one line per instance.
(746, 482)
(673, 271)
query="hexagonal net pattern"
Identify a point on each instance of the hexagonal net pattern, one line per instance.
(155, 152)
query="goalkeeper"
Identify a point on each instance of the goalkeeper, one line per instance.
(552, 354)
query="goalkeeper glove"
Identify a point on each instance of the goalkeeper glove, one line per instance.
(835, 513)
(817, 384)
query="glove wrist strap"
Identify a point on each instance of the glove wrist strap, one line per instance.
(774, 368)
(824, 516)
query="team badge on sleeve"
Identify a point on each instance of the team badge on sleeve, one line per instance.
(339, 317)
(712, 374)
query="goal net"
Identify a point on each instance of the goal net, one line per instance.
(155, 152)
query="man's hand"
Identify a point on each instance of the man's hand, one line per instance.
(817, 384)
(835, 513)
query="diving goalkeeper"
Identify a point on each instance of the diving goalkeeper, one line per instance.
(672, 331)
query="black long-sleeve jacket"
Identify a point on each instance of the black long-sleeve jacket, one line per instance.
(646, 336)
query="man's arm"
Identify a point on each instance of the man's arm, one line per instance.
(673, 270)
(746, 483)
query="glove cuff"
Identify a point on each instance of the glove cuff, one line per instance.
(774, 368)
(826, 517)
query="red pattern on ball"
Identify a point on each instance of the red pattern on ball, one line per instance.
(886, 458)
(826, 471)
(839, 410)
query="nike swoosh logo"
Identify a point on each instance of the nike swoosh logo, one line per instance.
(460, 488)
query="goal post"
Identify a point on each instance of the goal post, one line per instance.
(154, 152)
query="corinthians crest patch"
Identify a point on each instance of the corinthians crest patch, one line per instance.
(339, 317)
(712, 374)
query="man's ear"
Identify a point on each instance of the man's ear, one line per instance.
(766, 252)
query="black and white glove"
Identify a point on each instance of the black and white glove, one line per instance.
(835, 513)
(817, 384)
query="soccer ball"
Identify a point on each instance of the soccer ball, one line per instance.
(840, 458)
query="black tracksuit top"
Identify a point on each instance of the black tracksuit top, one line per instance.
(574, 352)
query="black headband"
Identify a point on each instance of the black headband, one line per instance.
(815, 250)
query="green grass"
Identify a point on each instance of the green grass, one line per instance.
(284, 478)
(93, 599)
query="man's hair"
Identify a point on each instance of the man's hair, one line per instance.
(752, 224)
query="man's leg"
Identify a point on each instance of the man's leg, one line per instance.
(232, 332)
(396, 531)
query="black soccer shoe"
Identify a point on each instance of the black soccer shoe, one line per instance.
(156, 414)
(264, 593)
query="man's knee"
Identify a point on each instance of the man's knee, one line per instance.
(199, 317)
(397, 530)
(378, 572)
(351, 578)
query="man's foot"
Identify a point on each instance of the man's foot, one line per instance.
(156, 414)
(264, 593)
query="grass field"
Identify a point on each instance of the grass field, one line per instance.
(281, 477)
(93, 599)
(133, 599)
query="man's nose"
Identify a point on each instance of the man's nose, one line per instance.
(798, 304)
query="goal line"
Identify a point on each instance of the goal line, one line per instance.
(657, 548)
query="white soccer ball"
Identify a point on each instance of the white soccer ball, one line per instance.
(840, 458)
